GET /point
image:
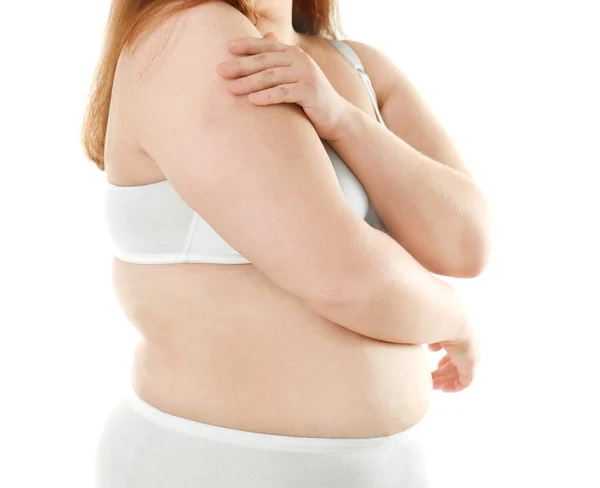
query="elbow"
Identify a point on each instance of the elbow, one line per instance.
(469, 261)
(469, 254)
(474, 262)
(475, 244)
(474, 249)
(462, 248)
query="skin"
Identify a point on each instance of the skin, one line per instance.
(224, 345)
(447, 231)
(395, 174)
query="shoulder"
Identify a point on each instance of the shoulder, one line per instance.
(213, 16)
(171, 73)
(382, 70)
(191, 33)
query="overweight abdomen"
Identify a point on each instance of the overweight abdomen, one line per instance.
(225, 346)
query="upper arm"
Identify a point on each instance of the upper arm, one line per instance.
(259, 176)
(405, 111)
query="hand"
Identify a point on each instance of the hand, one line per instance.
(273, 72)
(456, 370)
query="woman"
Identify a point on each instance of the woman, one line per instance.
(274, 243)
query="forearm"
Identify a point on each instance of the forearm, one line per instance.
(396, 300)
(436, 212)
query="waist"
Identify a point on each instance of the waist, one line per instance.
(322, 399)
(258, 360)
(256, 439)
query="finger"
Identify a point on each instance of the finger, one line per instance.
(435, 346)
(445, 360)
(442, 380)
(255, 45)
(459, 384)
(445, 369)
(453, 387)
(270, 35)
(263, 80)
(286, 93)
(445, 378)
(253, 64)
(442, 385)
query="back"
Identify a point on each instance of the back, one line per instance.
(217, 335)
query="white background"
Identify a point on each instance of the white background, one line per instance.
(515, 83)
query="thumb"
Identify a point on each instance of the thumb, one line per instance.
(270, 35)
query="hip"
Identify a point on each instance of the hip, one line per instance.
(142, 446)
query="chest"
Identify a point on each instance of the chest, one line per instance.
(341, 74)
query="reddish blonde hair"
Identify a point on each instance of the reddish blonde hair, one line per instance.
(129, 18)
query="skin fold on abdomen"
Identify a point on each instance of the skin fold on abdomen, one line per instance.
(224, 346)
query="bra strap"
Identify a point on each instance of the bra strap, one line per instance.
(354, 60)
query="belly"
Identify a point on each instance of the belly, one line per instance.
(223, 345)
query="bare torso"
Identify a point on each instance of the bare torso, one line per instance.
(224, 346)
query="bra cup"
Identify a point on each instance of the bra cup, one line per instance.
(147, 220)
(207, 242)
(354, 193)
(152, 224)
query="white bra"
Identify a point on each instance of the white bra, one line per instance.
(151, 224)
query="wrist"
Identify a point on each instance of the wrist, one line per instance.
(464, 330)
(348, 121)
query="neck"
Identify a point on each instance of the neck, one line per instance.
(276, 16)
